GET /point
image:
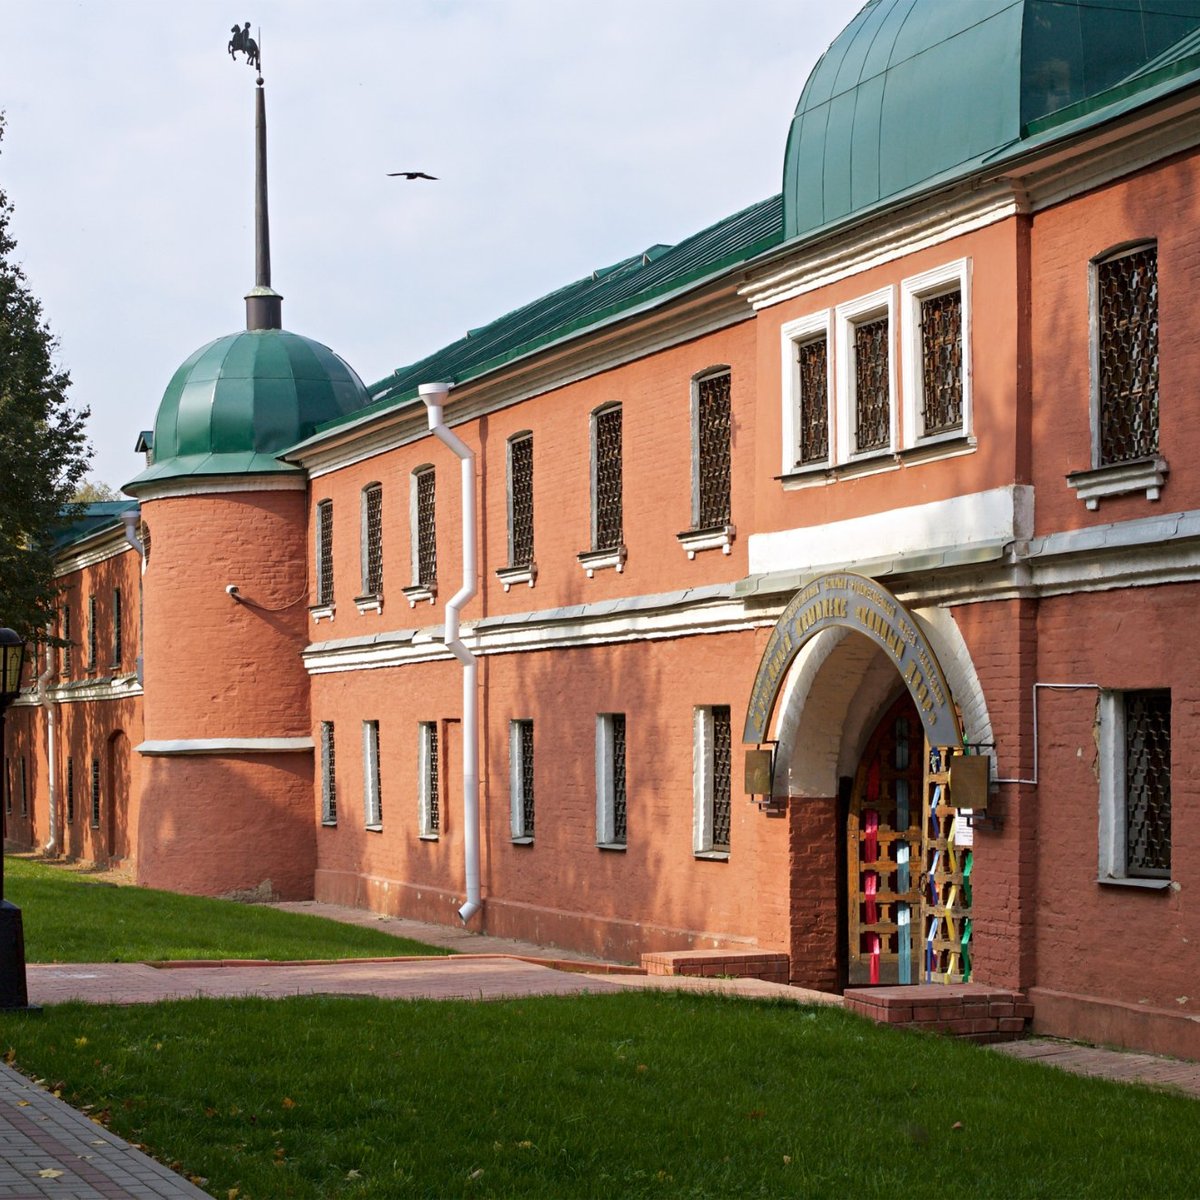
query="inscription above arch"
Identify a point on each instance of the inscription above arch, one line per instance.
(864, 606)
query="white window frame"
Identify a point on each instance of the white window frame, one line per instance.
(937, 281)
(1113, 864)
(848, 316)
(515, 572)
(703, 780)
(605, 794)
(598, 558)
(368, 600)
(425, 828)
(419, 590)
(372, 798)
(792, 336)
(516, 782)
(324, 606)
(328, 774)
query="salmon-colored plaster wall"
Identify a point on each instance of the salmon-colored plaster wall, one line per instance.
(910, 477)
(1160, 203)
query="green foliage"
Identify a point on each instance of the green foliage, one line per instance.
(43, 446)
(625, 1095)
(93, 491)
(66, 918)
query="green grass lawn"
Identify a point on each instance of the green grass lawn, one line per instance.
(67, 918)
(610, 1096)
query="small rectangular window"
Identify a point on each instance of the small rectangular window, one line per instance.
(8, 786)
(812, 364)
(607, 482)
(91, 633)
(1126, 288)
(95, 793)
(66, 636)
(372, 798)
(1135, 785)
(428, 781)
(118, 648)
(426, 529)
(23, 783)
(520, 500)
(611, 800)
(713, 429)
(325, 553)
(372, 540)
(712, 780)
(520, 747)
(872, 395)
(942, 363)
(70, 789)
(328, 775)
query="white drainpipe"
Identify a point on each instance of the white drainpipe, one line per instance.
(51, 756)
(434, 396)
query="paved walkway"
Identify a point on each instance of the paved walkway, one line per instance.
(47, 1149)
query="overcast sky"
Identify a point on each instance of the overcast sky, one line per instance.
(566, 136)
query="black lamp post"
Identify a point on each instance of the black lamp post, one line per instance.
(13, 991)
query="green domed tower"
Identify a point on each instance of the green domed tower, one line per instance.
(226, 769)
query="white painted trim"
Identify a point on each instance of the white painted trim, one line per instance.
(702, 780)
(1112, 785)
(511, 575)
(1001, 513)
(292, 745)
(913, 290)
(328, 768)
(599, 560)
(516, 783)
(1147, 475)
(605, 796)
(793, 335)
(372, 810)
(200, 486)
(719, 538)
(81, 559)
(847, 317)
(425, 828)
(123, 687)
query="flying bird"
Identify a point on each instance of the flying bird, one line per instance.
(409, 175)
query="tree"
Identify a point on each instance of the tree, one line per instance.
(44, 451)
(92, 491)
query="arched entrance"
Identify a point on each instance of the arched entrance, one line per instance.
(867, 733)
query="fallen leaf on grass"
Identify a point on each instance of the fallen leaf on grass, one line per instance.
(353, 1174)
(288, 1102)
(81, 1041)
(476, 1173)
(233, 1193)
(958, 1125)
(10, 1055)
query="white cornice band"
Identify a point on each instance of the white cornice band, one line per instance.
(292, 745)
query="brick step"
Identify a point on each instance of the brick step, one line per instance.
(735, 964)
(967, 1010)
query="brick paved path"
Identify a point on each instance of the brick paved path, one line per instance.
(1123, 1065)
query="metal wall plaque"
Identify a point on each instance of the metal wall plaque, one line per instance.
(857, 603)
(758, 772)
(969, 774)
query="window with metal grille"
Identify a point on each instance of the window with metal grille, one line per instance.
(521, 777)
(328, 775)
(425, 531)
(872, 386)
(325, 553)
(712, 450)
(712, 780)
(430, 818)
(70, 789)
(95, 793)
(372, 795)
(372, 540)
(91, 633)
(23, 784)
(520, 500)
(611, 800)
(1148, 784)
(66, 636)
(607, 527)
(7, 785)
(812, 360)
(1127, 350)
(144, 537)
(118, 646)
(942, 363)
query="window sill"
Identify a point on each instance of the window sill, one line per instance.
(711, 855)
(526, 573)
(369, 603)
(429, 837)
(321, 612)
(929, 450)
(1117, 479)
(598, 560)
(522, 841)
(374, 828)
(329, 824)
(618, 846)
(1146, 885)
(419, 592)
(714, 537)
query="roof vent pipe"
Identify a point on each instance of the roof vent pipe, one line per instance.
(434, 396)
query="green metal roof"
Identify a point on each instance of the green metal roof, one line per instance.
(89, 519)
(913, 91)
(235, 403)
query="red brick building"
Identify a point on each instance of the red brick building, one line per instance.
(894, 461)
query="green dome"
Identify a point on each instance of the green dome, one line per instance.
(237, 402)
(916, 92)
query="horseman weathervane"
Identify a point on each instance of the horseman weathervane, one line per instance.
(242, 41)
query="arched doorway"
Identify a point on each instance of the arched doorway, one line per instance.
(884, 851)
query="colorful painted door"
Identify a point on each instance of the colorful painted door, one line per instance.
(884, 852)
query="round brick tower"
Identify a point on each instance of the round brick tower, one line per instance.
(226, 804)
